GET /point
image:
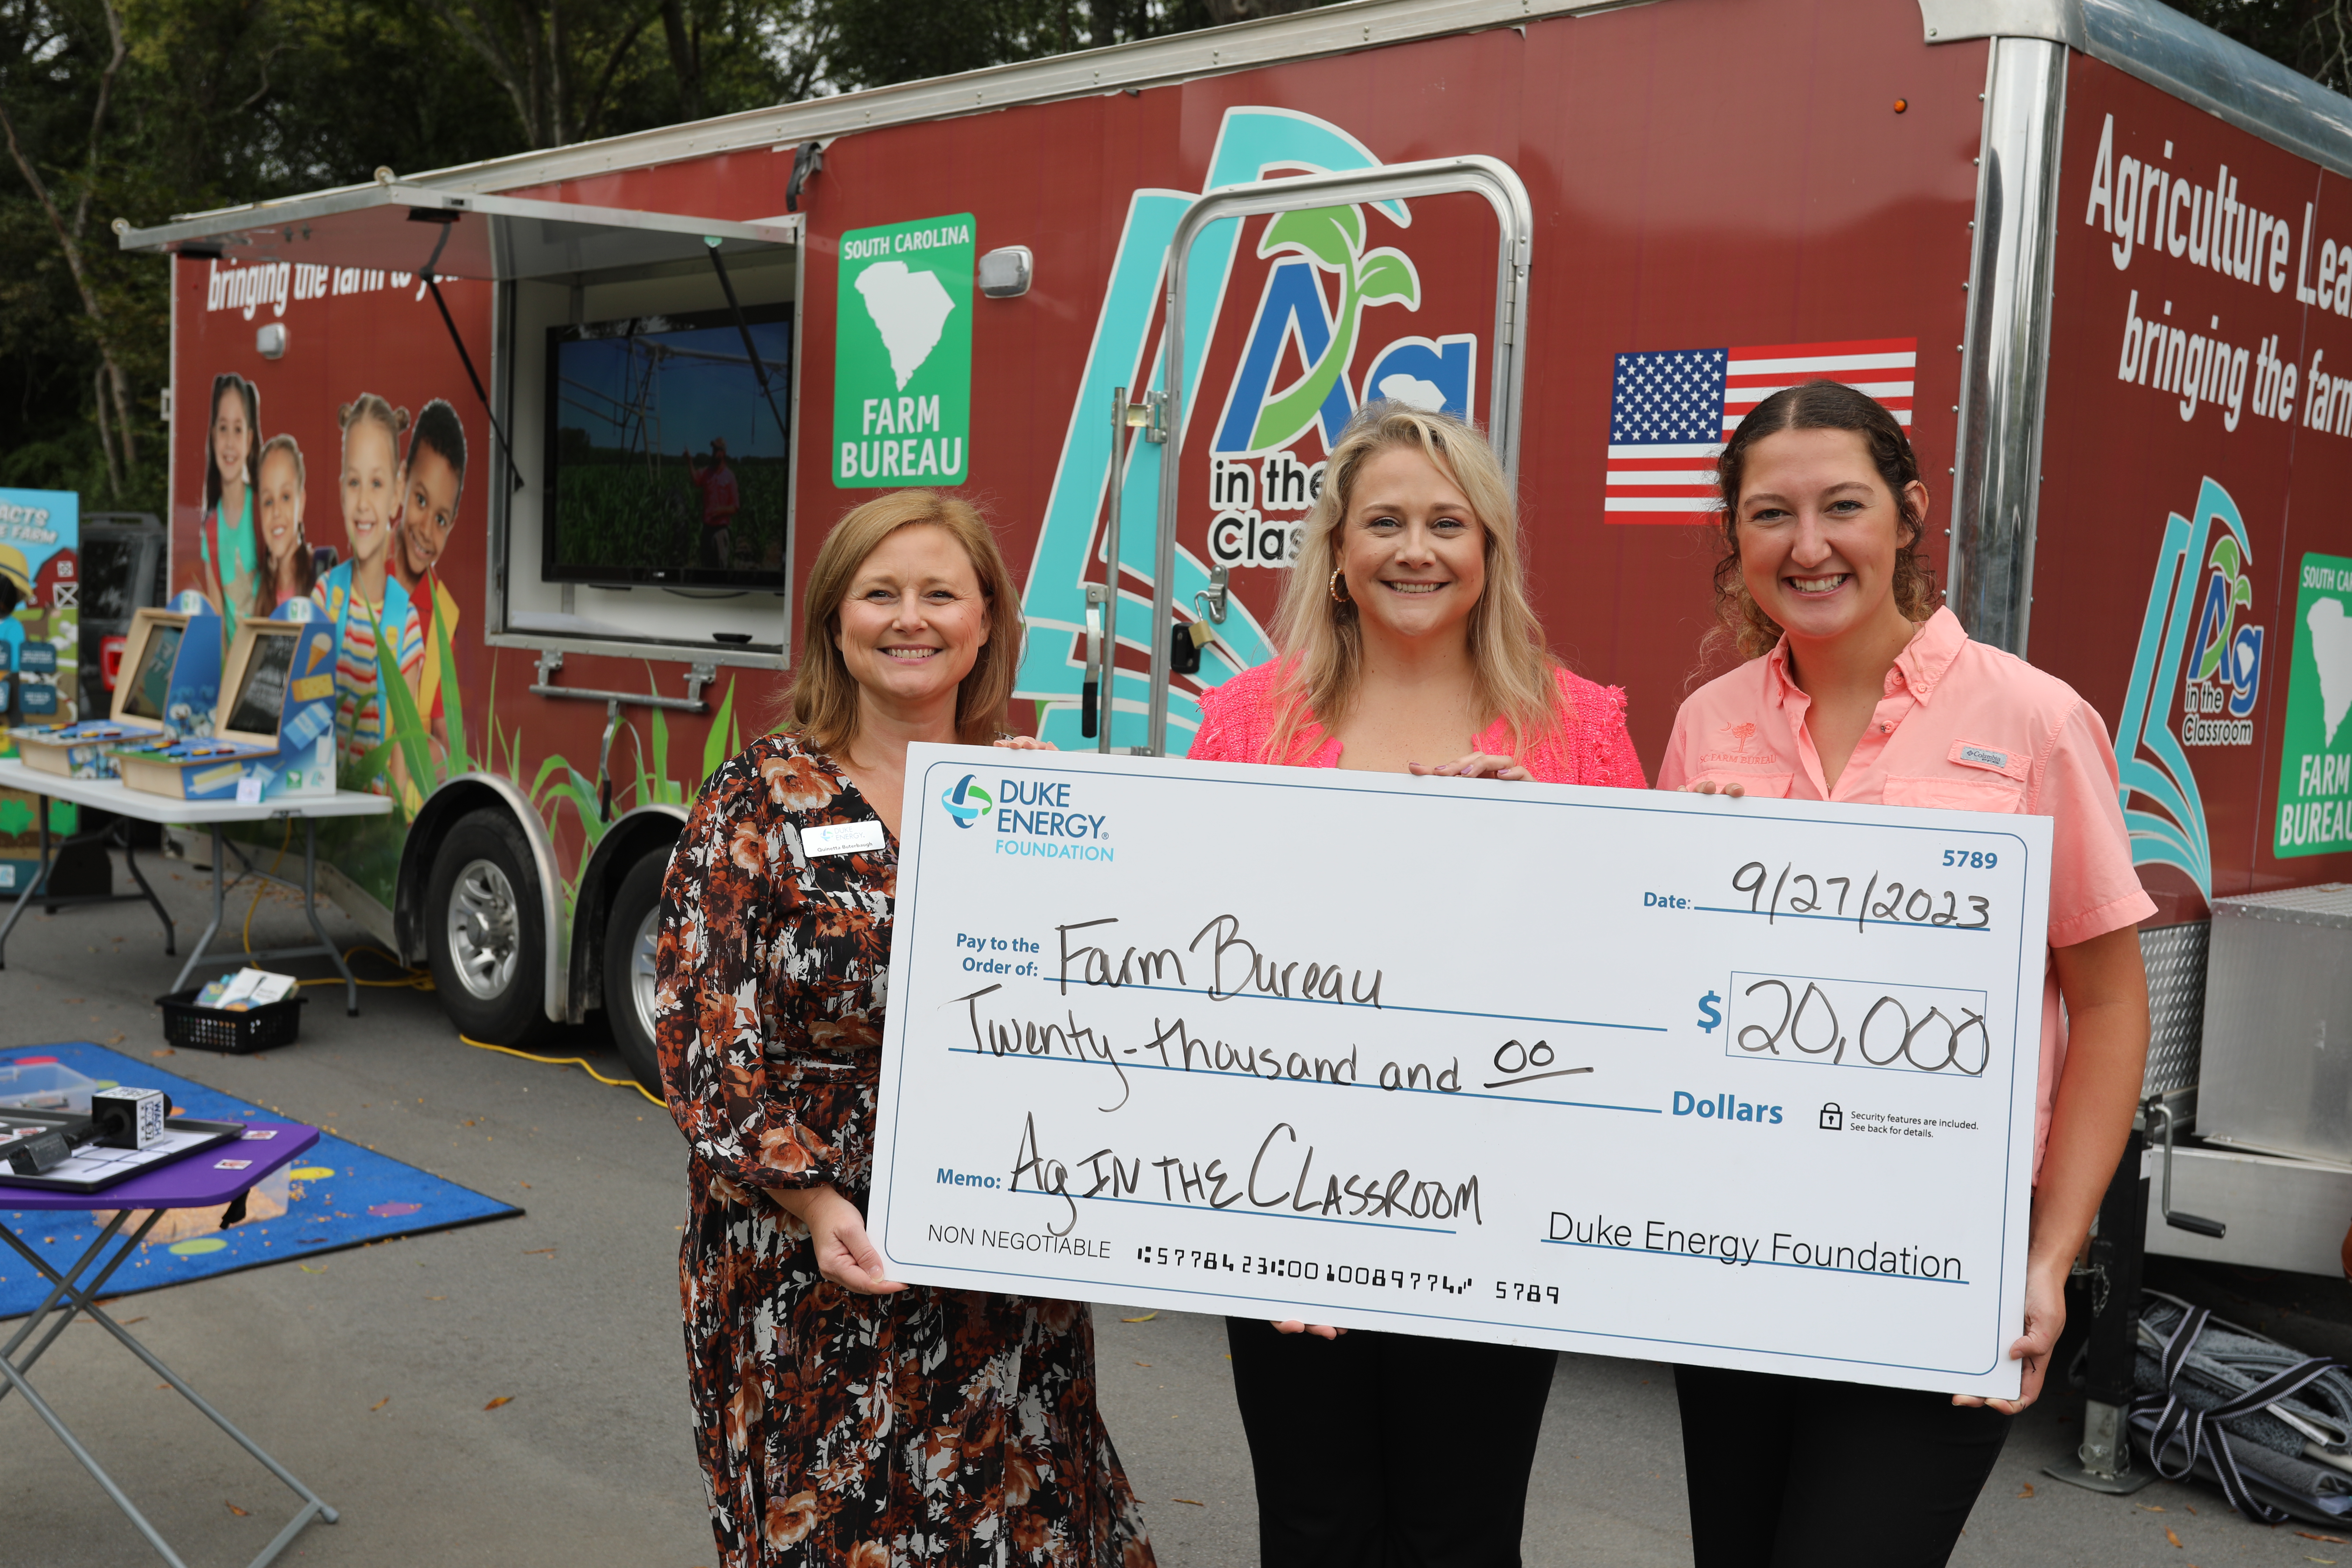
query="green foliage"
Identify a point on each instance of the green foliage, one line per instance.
(1334, 236)
(453, 698)
(406, 724)
(1387, 276)
(655, 788)
(721, 743)
(1331, 236)
(147, 108)
(2314, 37)
(869, 43)
(617, 509)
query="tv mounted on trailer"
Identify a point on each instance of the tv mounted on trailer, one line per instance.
(669, 460)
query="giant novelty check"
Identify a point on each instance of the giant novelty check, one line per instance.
(1747, 1083)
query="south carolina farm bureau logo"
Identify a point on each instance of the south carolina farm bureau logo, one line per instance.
(1033, 818)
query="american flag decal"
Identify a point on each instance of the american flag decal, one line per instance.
(1671, 410)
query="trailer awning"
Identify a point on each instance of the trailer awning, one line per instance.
(414, 228)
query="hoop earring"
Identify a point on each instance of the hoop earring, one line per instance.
(1339, 587)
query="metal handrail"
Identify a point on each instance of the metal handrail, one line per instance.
(1476, 174)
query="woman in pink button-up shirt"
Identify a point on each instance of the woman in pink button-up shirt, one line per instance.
(1857, 688)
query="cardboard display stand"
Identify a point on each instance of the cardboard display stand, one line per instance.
(273, 725)
(40, 642)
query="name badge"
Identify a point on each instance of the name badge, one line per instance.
(844, 837)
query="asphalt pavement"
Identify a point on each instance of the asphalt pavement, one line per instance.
(367, 1371)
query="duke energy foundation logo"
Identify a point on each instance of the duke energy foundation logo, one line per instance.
(2197, 652)
(966, 802)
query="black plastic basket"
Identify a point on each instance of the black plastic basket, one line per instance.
(261, 1028)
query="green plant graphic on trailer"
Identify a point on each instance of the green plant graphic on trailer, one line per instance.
(367, 850)
(1333, 238)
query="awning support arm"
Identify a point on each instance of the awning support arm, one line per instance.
(727, 285)
(449, 221)
(432, 284)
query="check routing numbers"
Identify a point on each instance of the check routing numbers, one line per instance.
(1047, 998)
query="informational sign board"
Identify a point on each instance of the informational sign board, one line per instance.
(40, 650)
(902, 366)
(2315, 790)
(1747, 1083)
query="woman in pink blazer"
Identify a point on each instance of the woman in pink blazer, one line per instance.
(1407, 644)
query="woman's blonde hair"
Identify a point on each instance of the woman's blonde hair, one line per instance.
(821, 704)
(1317, 636)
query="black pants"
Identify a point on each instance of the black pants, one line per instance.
(1788, 1472)
(1380, 1450)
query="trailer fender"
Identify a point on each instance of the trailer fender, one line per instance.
(638, 832)
(442, 808)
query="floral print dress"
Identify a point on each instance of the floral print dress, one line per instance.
(929, 1427)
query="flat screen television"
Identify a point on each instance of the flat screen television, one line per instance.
(666, 464)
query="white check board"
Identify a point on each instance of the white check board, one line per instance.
(1746, 1083)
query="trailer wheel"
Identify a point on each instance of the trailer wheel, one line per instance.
(631, 925)
(482, 930)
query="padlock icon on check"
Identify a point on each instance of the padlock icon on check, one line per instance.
(1833, 1119)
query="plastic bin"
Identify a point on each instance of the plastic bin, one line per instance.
(45, 1086)
(258, 1028)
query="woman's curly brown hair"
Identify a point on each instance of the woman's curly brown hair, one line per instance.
(1816, 405)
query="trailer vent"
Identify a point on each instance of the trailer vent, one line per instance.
(2174, 956)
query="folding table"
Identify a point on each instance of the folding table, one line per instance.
(108, 795)
(202, 1180)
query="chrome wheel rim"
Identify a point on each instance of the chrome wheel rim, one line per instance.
(485, 930)
(641, 970)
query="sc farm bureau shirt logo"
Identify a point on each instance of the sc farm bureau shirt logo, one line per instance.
(1033, 818)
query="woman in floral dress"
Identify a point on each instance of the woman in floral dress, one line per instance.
(841, 1418)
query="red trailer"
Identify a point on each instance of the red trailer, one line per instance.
(2089, 251)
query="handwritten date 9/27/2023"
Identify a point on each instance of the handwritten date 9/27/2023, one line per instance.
(1802, 894)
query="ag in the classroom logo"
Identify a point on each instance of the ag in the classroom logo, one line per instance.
(2196, 677)
(966, 802)
(1309, 317)
(1341, 278)
(2224, 667)
(2314, 798)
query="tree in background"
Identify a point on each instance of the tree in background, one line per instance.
(148, 109)
(59, 143)
(2314, 37)
(582, 69)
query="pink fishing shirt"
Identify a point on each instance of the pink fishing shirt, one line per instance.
(1963, 727)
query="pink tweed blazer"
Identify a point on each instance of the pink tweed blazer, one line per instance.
(1592, 746)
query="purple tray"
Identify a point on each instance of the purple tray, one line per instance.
(195, 1183)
